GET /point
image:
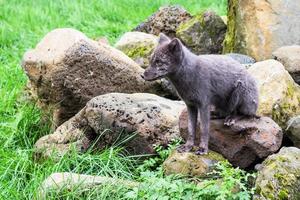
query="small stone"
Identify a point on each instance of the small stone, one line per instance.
(293, 130)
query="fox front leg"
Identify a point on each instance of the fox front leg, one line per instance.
(192, 122)
(204, 114)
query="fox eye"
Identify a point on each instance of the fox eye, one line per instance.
(158, 62)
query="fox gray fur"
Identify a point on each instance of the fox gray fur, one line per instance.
(203, 81)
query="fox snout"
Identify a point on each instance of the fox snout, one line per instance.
(150, 75)
(147, 76)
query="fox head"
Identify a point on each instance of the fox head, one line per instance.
(165, 59)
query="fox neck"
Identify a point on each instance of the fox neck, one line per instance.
(179, 78)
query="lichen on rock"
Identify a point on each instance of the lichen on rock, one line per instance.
(190, 164)
(279, 176)
(203, 34)
(277, 99)
(138, 46)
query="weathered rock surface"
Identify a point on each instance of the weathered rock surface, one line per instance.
(279, 176)
(245, 142)
(66, 69)
(138, 46)
(203, 34)
(166, 20)
(257, 28)
(289, 56)
(102, 121)
(70, 181)
(279, 95)
(190, 164)
(293, 130)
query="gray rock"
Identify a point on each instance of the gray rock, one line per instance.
(293, 130)
(153, 119)
(203, 34)
(66, 69)
(165, 20)
(279, 176)
(289, 56)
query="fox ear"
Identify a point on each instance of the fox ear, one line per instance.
(175, 46)
(163, 38)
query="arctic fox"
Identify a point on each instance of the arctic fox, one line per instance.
(202, 81)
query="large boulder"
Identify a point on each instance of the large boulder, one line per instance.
(257, 28)
(166, 20)
(243, 143)
(293, 130)
(279, 95)
(66, 69)
(203, 34)
(138, 46)
(279, 176)
(289, 56)
(71, 181)
(189, 164)
(148, 118)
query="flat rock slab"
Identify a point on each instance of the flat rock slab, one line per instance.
(65, 180)
(107, 118)
(243, 143)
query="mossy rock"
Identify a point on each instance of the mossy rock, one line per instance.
(279, 177)
(257, 28)
(279, 95)
(138, 46)
(203, 34)
(190, 164)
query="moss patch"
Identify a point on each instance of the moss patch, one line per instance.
(229, 41)
(287, 107)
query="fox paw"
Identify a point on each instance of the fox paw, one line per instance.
(185, 148)
(201, 151)
(229, 121)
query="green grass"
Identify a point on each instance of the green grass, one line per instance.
(22, 25)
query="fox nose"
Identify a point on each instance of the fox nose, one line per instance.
(142, 75)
